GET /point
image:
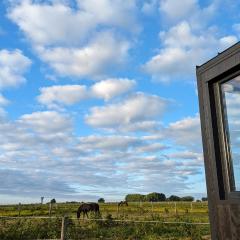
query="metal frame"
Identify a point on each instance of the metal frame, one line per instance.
(224, 204)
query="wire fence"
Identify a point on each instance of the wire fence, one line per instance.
(105, 219)
(43, 227)
(139, 220)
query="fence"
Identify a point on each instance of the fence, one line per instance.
(67, 223)
(138, 219)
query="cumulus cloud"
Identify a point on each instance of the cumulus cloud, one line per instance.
(149, 7)
(112, 12)
(102, 53)
(131, 110)
(57, 23)
(186, 133)
(187, 10)
(46, 24)
(177, 10)
(65, 94)
(81, 41)
(60, 95)
(13, 65)
(112, 142)
(46, 122)
(112, 87)
(94, 161)
(182, 50)
(3, 100)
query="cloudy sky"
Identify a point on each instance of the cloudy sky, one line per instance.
(98, 98)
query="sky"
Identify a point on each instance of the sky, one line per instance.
(98, 98)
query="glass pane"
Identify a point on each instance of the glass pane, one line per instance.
(231, 103)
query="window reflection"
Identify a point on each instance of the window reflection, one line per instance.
(231, 108)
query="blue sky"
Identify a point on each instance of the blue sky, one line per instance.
(99, 99)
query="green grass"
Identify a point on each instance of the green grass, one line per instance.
(109, 229)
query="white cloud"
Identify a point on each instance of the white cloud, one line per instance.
(112, 12)
(80, 41)
(97, 162)
(149, 7)
(137, 108)
(112, 87)
(188, 10)
(113, 142)
(152, 148)
(46, 122)
(182, 50)
(186, 133)
(13, 65)
(177, 10)
(143, 126)
(3, 100)
(227, 41)
(65, 94)
(188, 158)
(46, 24)
(97, 57)
(59, 95)
(57, 23)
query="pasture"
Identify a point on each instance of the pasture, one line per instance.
(139, 220)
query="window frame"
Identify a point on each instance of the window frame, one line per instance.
(222, 146)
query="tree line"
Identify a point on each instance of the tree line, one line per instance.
(157, 197)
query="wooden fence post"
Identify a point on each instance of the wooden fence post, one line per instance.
(63, 229)
(152, 206)
(50, 209)
(19, 209)
(175, 207)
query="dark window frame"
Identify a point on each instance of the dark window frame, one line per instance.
(222, 147)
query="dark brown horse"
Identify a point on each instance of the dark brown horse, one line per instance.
(123, 203)
(87, 207)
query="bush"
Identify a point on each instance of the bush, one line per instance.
(101, 200)
(187, 199)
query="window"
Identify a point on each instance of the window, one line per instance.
(231, 114)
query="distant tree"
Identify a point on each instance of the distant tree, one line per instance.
(155, 197)
(187, 199)
(53, 201)
(135, 198)
(101, 200)
(174, 198)
(204, 199)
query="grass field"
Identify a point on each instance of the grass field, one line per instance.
(145, 221)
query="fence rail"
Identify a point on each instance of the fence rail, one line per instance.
(105, 219)
(65, 220)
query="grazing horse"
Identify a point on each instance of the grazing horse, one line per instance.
(87, 207)
(122, 203)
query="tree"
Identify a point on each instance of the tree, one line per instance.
(101, 200)
(53, 201)
(135, 198)
(204, 199)
(174, 198)
(155, 197)
(187, 199)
